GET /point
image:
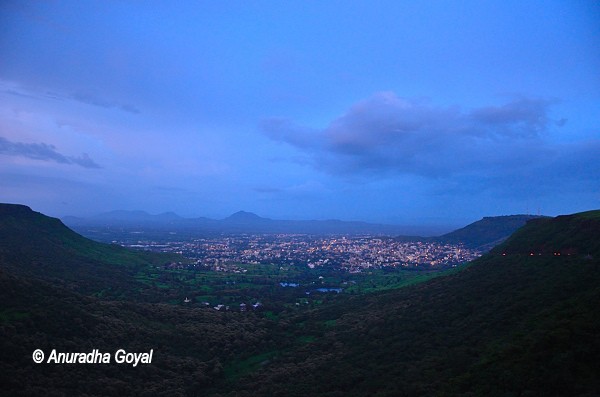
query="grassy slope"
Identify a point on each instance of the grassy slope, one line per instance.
(577, 234)
(507, 325)
(487, 232)
(191, 346)
(47, 273)
(34, 245)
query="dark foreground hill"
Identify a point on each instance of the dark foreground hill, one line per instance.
(190, 346)
(49, 278)
(509, 324)
(36, 246)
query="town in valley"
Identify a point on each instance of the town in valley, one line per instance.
(352, 254)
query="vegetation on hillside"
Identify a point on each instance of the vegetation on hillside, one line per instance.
(487, 232)
(40, 247)
(510, 323)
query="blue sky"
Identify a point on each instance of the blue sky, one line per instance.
(388, 111)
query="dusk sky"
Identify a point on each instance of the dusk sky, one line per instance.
(406, 112)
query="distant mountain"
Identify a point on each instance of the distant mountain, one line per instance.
(139, 216)
(487, 232)
(483, 234)
(245, 217)
(37, 246)
(239, 222)
(248, 222)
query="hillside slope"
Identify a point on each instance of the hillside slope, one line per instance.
(49, 277)
(577, 234)
(487, 232)
(37, 246)
(507, 325)
(190, 346)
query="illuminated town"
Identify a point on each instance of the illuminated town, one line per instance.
(352, 254)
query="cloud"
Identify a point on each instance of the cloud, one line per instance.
(386, 135)
(267, 189)
(88, 97)
(93, 99)
(43, 152)
(84, 160)
(283, 130)
(520, 118)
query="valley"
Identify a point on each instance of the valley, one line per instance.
(505, 323)
(300, 198)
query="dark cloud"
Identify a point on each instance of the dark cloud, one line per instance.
(566, 169)
(83, 96)
(84, 160)
(386, 134)
(44, 152)
(130, 109)
(522, 118)
(267, 189)
(283, 130)
(561, 122)
(171, 189)
(19, 94)
(93, 99)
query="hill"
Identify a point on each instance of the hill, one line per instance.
(190, 346)
(49, 282)
(509, 324)
(36, 246)
(487, 232)
(577, 234)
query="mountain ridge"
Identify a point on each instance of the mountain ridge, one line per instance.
(482, 234)
(238, 222)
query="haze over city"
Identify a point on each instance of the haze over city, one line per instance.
(391, 112)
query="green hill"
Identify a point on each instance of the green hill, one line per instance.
(40, 247)
(508, 325)
(577, 234)
(49, 277)
(190, 346)
(487, 232)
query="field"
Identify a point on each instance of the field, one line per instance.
(267, 288)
